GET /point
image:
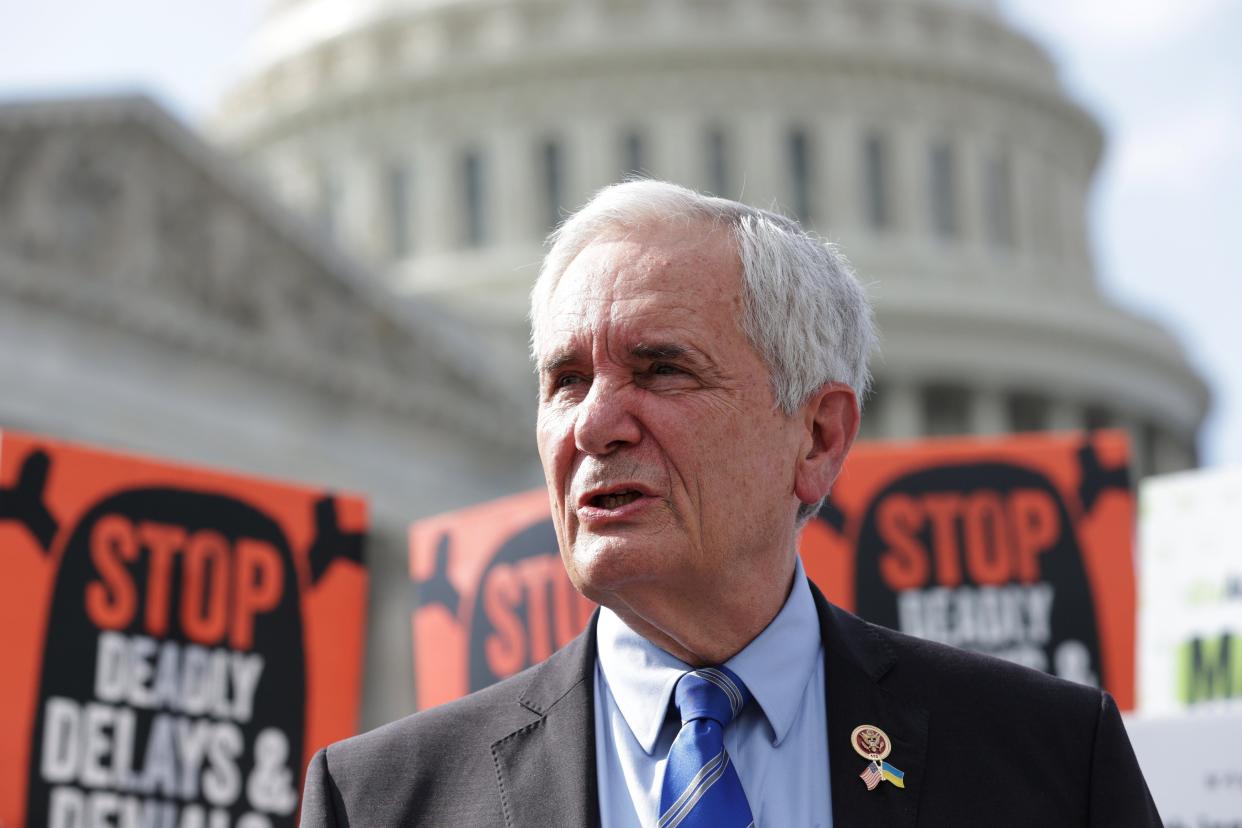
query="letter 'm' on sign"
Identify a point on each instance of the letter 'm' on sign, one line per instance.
(1211, 669)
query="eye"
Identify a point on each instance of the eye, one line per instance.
(567, 381)
(662, 375)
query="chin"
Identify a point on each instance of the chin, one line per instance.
(607, 565)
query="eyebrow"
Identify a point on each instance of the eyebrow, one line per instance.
(556, 361)
(643, 350)
(659, 350)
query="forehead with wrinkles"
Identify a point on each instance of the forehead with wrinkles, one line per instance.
(655, 281)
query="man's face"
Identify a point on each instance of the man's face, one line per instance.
(668, 464)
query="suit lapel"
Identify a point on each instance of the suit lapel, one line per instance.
(546, 769)
(856, 660)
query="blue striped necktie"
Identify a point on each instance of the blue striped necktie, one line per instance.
(701, 787)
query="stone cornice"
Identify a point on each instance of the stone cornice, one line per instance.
(424, 47)
(364, 345)
(1103, 339)
(446, 30)
(276, 119)
(426, 400)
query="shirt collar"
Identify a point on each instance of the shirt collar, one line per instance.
(775, 667)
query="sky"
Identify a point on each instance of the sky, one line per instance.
(1164, 77)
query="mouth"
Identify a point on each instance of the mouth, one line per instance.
(614, 500)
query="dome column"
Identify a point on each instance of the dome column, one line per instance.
(902, 412)
(1065, 415)
(1026, 180)
(908, 182)
(513, 174)
(593, 160)
(971, 160)
(842, 184)
(437, 194)
(360, 214)
(988, 413)
(760, 160)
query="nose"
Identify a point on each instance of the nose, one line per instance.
(606, 418)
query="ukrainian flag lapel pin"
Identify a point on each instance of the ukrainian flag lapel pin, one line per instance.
(873, 744)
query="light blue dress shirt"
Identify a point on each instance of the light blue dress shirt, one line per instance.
(779, 745)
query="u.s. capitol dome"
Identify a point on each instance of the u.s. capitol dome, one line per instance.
(440, 140)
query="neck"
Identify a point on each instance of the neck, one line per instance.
(708, 629)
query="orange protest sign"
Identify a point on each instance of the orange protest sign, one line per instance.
(1021, 547)
(493, 598)
(1017, 546)
(182, 639)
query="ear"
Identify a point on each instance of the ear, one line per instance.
(830, 417)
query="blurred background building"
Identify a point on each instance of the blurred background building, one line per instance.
(155, 297)
(440, 142)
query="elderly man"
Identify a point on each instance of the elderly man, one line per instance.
(700, 367)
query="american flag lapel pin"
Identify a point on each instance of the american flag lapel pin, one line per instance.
(873, 744)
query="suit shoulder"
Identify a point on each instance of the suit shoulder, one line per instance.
(423, 767)
(941, 672)
(1029, 725)
(480, 717)
(453, 733)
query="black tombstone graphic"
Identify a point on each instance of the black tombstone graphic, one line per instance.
(1073, 642)
(535, 540)
(70, 648)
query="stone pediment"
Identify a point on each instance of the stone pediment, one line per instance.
(111, 209)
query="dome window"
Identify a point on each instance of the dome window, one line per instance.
(633, 155)
(875, 182)
(798, 146)
(397, 191)
(718, 162)
(473, 191)
(551, 164)
(998, 201)
(943, 190)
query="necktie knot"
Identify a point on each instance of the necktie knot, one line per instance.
(714, 693)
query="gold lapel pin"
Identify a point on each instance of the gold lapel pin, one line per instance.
(873, 744)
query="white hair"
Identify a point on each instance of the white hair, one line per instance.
(805, 312)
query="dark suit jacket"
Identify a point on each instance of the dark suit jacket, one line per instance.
(982, 743)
